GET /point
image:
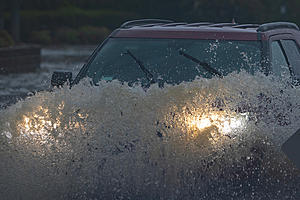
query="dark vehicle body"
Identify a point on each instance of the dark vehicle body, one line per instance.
(285, 35)
(278, 42)
(272, 48)
(276, 48)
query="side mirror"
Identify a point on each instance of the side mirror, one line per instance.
(58, 79)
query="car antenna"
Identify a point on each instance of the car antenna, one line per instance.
(233, 21)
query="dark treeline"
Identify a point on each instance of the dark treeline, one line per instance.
(47, 21)
(208, 10)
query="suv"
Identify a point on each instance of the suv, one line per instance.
(162, 51)
(153, 50)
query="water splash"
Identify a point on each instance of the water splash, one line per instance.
(207, 139)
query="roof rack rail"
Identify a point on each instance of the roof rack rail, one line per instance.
(222, 24)
(276, 25)
(150, 25)
(132, 23)
(174, 24)
(198, 24)
(246, 26)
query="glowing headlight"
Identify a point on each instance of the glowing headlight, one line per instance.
(224, 122)
(40, 124)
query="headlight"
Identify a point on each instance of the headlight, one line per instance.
(224, 123)
(44, 126)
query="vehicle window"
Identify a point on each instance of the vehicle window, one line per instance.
(162, 58)
(293, 55)
(280, 66)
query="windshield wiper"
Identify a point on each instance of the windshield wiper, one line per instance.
(148, 74)
(205, 65)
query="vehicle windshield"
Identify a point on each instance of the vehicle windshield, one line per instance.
(162, 58)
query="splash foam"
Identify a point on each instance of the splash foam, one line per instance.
(206, 139)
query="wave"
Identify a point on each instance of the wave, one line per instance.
(206, 139)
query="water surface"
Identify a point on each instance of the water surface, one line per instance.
(206, 139)
(60, 58)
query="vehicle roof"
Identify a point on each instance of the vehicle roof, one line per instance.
(202, 30)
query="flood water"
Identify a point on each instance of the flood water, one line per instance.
(205, 139)
(61, 58)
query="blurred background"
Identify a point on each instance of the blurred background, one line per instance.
(38, 37)
(89, 21)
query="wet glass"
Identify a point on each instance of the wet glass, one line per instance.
(162, 58)
(293, 54)
(280, 66)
